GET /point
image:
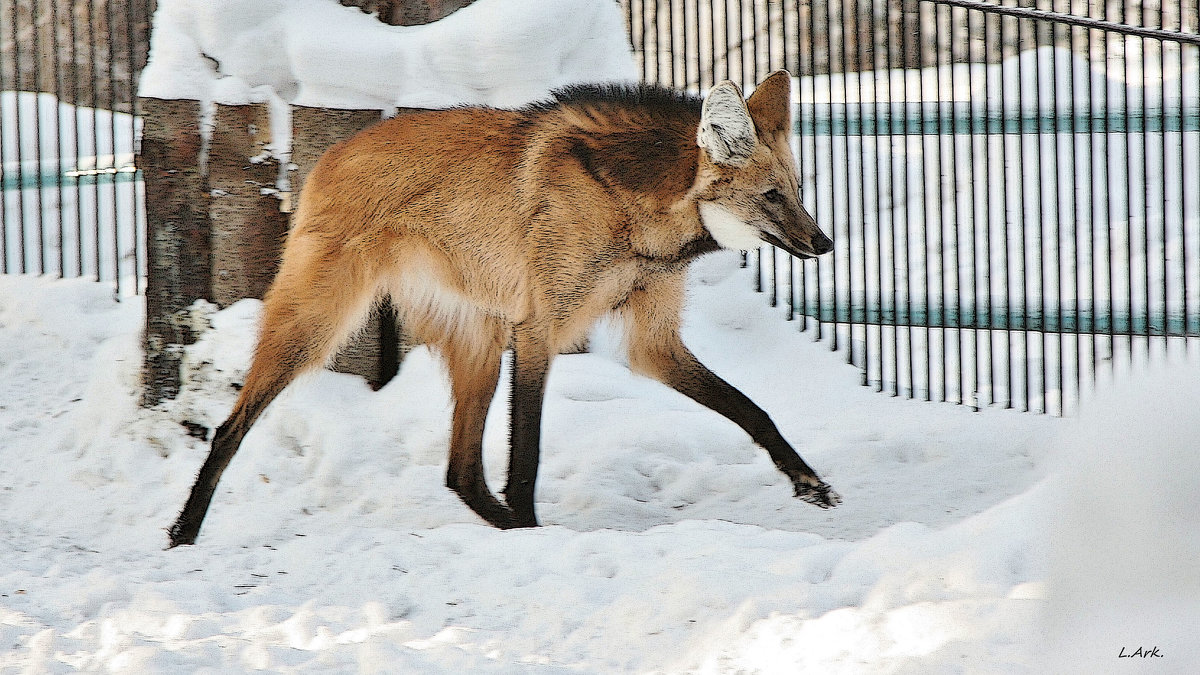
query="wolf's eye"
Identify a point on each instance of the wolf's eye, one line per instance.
(774, 196)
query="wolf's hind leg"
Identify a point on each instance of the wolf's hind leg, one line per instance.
(318, 298)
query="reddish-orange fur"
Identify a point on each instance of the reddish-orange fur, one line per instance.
(496, 228)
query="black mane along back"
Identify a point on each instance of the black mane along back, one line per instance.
(650, 97)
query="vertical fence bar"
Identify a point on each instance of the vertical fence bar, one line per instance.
(769, 63)
(852, 7)
(785, 43)
(811, 77)
(1007, 332)
(1109, 189)
(903, 230)
(712, 45)
(890, 98)
(1128, 138)
(709, 69)
(1183, 181)
(756, 77)
(670, 26)
(133, 117)
(957, 215)
(941, 193)
(22, 265)
(1058, 210)
(1040, 212)
(629, 23)
(818, 264)
(40, 216)
(831, 181)
(58, 139)
(1145, 120)
(902, 111)
(644, 18)
(1022, 226)
(989, 314)
(768, 34)
(976, 324)
(1092, 208)
(918, 40)
(656, 36)
(881, 62)
(740, 45)
(859, 60)
(112, 130)
(95, 101)
(1162, 148)
(743, 75)
(843, 265)
(74, 18)
(727, 25)
(683, 43)
(1076, 205)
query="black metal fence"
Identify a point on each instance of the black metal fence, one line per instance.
(71, 201)
(1014, 191)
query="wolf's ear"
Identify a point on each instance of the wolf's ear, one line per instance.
(726, 131)
(771, 103)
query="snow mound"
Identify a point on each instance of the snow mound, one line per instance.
(671, 543)
(1125, 562)
(500, 53)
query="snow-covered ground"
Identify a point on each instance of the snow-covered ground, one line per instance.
(968, 542)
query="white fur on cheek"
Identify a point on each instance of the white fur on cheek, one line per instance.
(729, 230)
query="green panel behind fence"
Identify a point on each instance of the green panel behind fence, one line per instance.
(899, 119)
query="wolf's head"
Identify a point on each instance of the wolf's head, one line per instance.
(747, 188)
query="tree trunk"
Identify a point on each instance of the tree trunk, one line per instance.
(248, 227)
(178, 236)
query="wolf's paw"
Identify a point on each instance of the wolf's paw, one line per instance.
(818, 495)
(182, 533)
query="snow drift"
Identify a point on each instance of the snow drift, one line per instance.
(317, 53)
(671, 542)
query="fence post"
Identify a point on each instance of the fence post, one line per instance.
(247, 225)
(178, 236)
(375, 352)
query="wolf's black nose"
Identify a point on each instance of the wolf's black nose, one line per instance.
(822, 244)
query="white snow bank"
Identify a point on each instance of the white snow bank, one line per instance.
(1126, 548)
(671, 542)
(318, 53)
(1042, 80)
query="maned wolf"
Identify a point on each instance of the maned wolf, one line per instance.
(493, 228)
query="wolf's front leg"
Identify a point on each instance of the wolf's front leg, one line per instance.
(652, 325)
(531, 363)
(690, 377)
